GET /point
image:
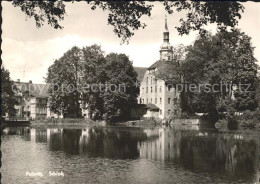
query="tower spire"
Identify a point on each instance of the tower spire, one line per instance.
(166, 51)
(166, 27)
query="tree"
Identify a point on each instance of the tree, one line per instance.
(257, 96)
(125, 16)
(94, 75)
(110, 82)
(221, 62)
(104, 85)
(63, 77)
(8, 100)
(122, 89)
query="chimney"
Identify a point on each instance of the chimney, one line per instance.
(18, 80)
(30, 81)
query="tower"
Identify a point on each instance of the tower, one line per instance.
(166, 51)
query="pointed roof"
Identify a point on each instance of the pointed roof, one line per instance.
(166, 26)
(140, 73)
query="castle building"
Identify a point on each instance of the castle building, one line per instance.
(158, 86)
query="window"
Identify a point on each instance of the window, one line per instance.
(151, 100)
(170, 87)
(160, 100)
(175, 112)
(146, 89)
(169, 100)
(175, 100)
(160, 112)
(169, 57)
(160, 89)
(155, 89)
(151, 89)
(155, 100)
(147, 100)
(146, 80)
(142, 90)
(143, 101)
(169, 112)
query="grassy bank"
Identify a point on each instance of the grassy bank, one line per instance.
(247, 119)
(63, 121)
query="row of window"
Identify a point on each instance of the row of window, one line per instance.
(151, 89)
(153, 79)
(160, 102)
(41, 110)
(169, 112)
(169, 87)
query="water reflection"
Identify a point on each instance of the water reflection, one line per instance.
(232, 156)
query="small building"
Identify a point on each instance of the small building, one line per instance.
(152, 111)
(39, 100)
(138, 111)
(32, 99)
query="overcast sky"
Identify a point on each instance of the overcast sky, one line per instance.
(29, 51)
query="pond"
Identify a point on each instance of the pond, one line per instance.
(121, 154)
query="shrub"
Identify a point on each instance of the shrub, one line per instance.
(249, 119)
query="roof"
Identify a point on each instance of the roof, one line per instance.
(152, 107)
(36, 90)
(154, 65)
(166, 70)
(140, 106)
(140, 72)
(39, 90)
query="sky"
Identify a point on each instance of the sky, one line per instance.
(27, 51)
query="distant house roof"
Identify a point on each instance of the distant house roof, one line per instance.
(140, 106)
(39, 90)
(36, 90)
(140, 72)
(152, 107)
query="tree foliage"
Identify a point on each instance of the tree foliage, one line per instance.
(125, 16)
(8, 100)
(120, 71)
(51, 11)
(226, 64)
(63, 77)
(106, 85)
(94, 75)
